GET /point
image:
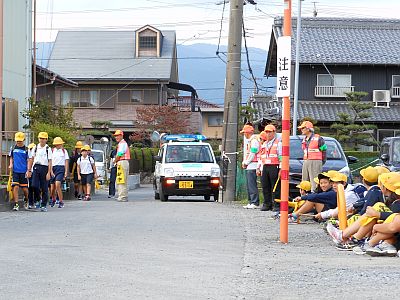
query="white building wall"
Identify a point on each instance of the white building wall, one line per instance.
(17, 57)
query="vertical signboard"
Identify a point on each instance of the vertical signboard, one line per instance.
(283, 67)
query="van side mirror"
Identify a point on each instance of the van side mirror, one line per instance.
(385, 158)
(352, 159)
(157, 158)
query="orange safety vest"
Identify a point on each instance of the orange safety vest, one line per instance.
(269, 156)
(311, 152)
(248, 146)
(127, 154)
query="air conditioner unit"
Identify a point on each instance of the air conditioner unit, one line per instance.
(381, 97)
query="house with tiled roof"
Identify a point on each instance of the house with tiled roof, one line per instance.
(339, 55)
(116, 72)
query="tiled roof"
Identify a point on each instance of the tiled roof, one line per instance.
(184, 101)
(325, 111)
(81, 55)
(344, 40)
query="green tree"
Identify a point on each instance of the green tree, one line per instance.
(351, 128)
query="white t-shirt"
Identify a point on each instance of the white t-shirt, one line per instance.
(85, 163)
(40, 156)
(59, 156)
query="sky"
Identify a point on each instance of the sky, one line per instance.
(195, 21)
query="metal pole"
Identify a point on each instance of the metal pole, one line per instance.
(297, 68)
(1, 86)
(232, 95)
(287, 28)
(34, 87)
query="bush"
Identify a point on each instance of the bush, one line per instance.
(365, 159)
(54, 131)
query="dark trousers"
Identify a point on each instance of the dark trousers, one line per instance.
(113, 178)
(269, 177)
(40, 183)
(33, 193)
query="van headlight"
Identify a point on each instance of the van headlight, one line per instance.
(169, 172)
(345, 171)
(215, 172)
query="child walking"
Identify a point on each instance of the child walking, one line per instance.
(60, 169)
(86, 171)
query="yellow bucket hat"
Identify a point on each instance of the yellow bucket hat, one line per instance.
(370, 174)
(19, 136)
(390, 181)
(382, 169)
(304, 185)
(58, 141)
(338, 177)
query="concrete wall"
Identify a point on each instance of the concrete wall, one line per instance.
(17, 58)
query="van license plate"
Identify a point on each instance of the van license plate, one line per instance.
(185, 184)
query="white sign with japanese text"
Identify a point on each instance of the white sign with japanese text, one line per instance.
(283, 67)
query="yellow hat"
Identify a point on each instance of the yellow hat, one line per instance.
(86, 148)
(118, 132)
(43, 135)
(330, 173)
(370, 174)
(19, 136)
(382, 169)
(338, 177)
(390, 181)
(78, 145)
(304, 185)
(31, 145)
(58, 141)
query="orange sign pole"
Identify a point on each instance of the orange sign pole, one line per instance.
(287, 29)
(341, 204)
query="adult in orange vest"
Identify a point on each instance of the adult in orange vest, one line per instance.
(122, 158)
(314, 149)
(251, 147)
(269, 159)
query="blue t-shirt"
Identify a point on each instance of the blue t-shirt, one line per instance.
(20, 157)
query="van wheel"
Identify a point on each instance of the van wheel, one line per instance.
(216, 196)
(207, 197)
(156, 196)
(162, 196)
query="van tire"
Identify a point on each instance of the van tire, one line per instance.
(163, 197)
(207, 197)
(156, 196)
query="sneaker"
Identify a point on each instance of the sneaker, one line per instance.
(16, 207)
(253, 206)
(37, 204)
(246, 206)
(293, 218)
(57, 201)
(76, 194)
(382, 249)
(362, 248)
(265, 208)
(52, 202)
(31, 206)
(43, 209)
(336, 234)
(61, 204)
(80, 197)
(276, 215)
(86, 198)
(346, 246)
(26, 202)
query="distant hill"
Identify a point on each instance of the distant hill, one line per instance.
(203, 70)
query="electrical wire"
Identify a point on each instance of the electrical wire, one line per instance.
(248, 59)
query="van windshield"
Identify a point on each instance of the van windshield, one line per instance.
(333, 152)
(396, 151)
(98, 156)
(188, 154)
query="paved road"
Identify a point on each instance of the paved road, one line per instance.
(147, 249)
(103, 249)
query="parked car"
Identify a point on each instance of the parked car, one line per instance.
(336, 160)
(390, 153)
(100, 163)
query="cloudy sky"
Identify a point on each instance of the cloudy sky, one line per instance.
(195, 21)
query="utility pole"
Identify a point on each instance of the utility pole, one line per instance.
(232, 97)
(297, 68)
(34, 53)
(1, 83)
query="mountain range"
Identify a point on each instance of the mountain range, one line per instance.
(200, 67)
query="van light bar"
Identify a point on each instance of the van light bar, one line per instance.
(183, 137)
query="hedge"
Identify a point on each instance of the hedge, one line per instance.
(365, 159)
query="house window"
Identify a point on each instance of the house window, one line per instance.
(333, 85)
(396, 86)
(383, 133)
(108, 98)
(215, 120)
(147, 42)
(130, 96)
(80, 98)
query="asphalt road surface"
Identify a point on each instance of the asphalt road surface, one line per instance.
(180, 249)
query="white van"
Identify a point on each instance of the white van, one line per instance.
(185, 165)
(100, 163)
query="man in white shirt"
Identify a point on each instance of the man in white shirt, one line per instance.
(42, 168)
(251, 147)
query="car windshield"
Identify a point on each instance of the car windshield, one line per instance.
(98, 156)
(188, 153)
(396, 151)
(333, 152)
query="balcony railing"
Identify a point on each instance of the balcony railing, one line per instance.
(332, 91)
(396, 92)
